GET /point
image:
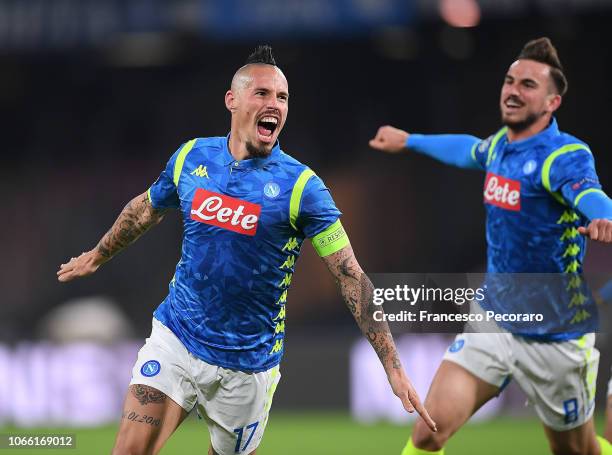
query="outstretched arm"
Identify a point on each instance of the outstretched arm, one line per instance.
(454, 149)
(357, 291)
(133, 221)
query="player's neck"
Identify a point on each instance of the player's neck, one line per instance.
(237, 148)
(533, 129)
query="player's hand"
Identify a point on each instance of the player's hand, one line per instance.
(403, 388)
(599, 230)
(86, 264)
(389, 139)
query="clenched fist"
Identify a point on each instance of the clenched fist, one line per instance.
(389, 139)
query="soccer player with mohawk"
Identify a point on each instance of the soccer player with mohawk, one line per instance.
(217, 338)
(543, 200)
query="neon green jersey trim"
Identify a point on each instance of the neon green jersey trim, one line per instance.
(548, 164)
(296, 196)
(180, 160)
(331, 240)
(494, 142)
(149, 195)
(585, 192)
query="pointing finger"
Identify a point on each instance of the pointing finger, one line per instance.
(425, 416)
(416, 404)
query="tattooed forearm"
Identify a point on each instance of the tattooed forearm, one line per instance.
(357, 291)
(145, 394)
(383, 344)
(134, 220)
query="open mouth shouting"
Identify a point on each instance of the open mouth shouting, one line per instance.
(512, 103)
(266, 126)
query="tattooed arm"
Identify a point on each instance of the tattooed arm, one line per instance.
(133, 221)
(357, 292)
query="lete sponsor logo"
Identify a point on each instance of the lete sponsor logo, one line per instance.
(502, 192)
(225, 212)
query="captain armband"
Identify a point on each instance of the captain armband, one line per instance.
(331, 240)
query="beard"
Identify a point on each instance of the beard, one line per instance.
(522, 125)
(257, 152)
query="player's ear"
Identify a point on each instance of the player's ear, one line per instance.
(230, 101)
(554, 102)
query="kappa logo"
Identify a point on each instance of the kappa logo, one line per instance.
(502, 192)
(200, 171)
(225, 212)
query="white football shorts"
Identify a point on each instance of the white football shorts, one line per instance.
(557, 377)
(234, 404)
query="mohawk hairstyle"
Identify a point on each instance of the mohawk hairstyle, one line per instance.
(541, 50)
(262, 54)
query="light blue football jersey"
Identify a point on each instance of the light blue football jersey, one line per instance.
(244, 223)
(531, 191)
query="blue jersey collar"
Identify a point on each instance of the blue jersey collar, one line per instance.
(543, 136)
(250, 163)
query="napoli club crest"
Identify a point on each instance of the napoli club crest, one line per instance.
(271, 190)
(150, 368)
(457, 345)
(529, 167)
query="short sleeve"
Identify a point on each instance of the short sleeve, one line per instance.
(573, 174)
(163, 193)
(317, 209)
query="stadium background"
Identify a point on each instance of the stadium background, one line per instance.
(96, 95)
